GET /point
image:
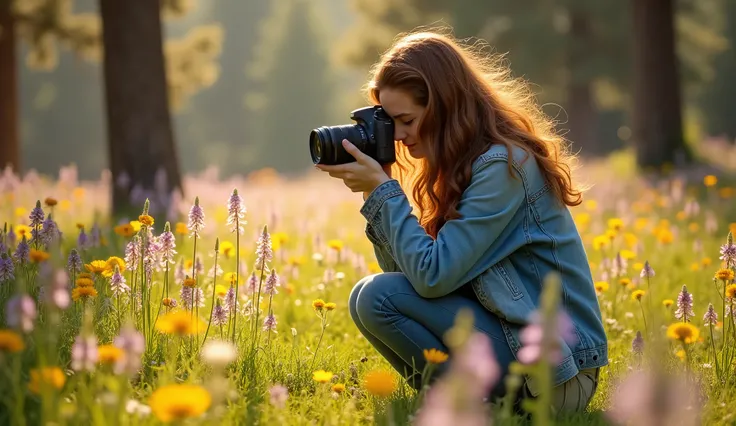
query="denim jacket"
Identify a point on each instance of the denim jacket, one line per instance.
(512, 233)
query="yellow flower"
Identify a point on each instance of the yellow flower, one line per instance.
(630, 240)
(189, 282)
(615, 224)
(591, 205)
(695, 266)
(684, 332)
(601, 286)
(665, 236)
(10, 341)
(229, 277)
(637, 294)
(374, 267)
(220, 290)
(83, 293)
(706, 261)
(109, 354)
(110, 266)
(330, 306)
(322, 376)
(125, 230)
(181, 323)
(20, 212)
(227, 249)
(435, 356)
(38, 256)
(667, 302)
(627, 254)
(179, 402)
(731, 291)
(693, 227)
(318, 305)
(168, 301)
(21, 230)
(136, 225)
(338, 388)
(726, 192)
(380, 383)
(624, 282)
(600, 242)
(84, 282)
(335, 244)
(638, 266)
(710, 180)
(680, 354)
(46, 376)
(50, 201)
(181, 228)
(724, 274)
(145, 219)
(96, 266)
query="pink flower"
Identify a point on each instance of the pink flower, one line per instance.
(278, 395)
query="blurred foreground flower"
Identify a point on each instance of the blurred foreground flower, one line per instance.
(179, 402)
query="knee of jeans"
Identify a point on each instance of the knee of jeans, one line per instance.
(353, 299)
(371, 292)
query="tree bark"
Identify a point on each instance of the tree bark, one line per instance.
(139, 131)
(9, 134)
(582, 111)
(657, 116)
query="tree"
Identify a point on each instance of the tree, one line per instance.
(138, 120)
(295, 89)
(9, 142)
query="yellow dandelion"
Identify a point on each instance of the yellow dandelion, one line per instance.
(181, 228)
(229, 277)
(83, 293)
(631, 240)
(724, 274)
(84, 282)
(38, 256)
(627, 254)
(179, 402)
(680, 354)
(706, 261)
(330, 306)
(20, 212)
(611, 234)
(665, 236)
(338, 388)
(46, 376)
(680, 216)
(84, 275)
(110, 266)
(22, 230)
(637, 294)
(136, 225)
(435, 356)
(10, 341)
(322, 376)
(125, 230)
(146, 220)
(601, 286)
(710, 180)
(109, 354)
(80, 225)
(731, 291)
(668, 302)
(96, 266)
(600, 242)
(695, 266)
(296, 260)
(591, 205)
(615, 224)
(380, 383)
(181, 323)
(624, 282)
(227, 249)
(335, 244)
(638, 266)
(220, 290)
(684, 332)
(318, 305)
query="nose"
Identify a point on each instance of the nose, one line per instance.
(399, 134)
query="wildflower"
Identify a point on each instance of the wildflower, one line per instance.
(278, 395)
(125, 230)
(169, 302)
(684, 305)
(82, 240)
(322, 376)
(167, 245)
(435, 356)
(22, 252)
(181, 323)
(50, 231)
(335, 245)
(532, 335)
(728, 251)
(380, 383)
(111, 263)
(84, 353)
(710, 180)
(10, 341)
(179, 402)
(252, 282)
(269, 323)
(724, 274)
(710, 317)
(668, 302)
(338, 388)
(318, 305)
(637, 294)
(96, 266)
(637, 345)
(271, 283)
(730, 291)
(109, 354)
(264, 252)
(684, 332)
(624, 282)
(196, 219)
(74, 262)
(132, 343)
(7, 268)
(20, 312)
(219, 353)
(146, 220)
(46, 376)
(50, 201)
(236, 211)
(37, 215)
(647, 271)
(38, 256)
(117, 283)
(192, 297)
(230, 299)
(330, 306)
(133, 252)
(219, 315)
(601, 286)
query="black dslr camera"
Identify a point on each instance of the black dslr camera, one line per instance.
(373, 135)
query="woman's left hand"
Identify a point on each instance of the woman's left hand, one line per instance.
(363, 175)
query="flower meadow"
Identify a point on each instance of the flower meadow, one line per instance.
(229, 307)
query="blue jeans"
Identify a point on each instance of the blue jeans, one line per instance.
(400, 324)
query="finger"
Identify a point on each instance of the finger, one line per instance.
(333, 168)
(354, 151)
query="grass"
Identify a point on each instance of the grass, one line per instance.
(319, 252)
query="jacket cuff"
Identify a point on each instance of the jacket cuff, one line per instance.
(376, 199)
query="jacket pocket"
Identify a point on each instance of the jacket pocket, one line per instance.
(501, 291)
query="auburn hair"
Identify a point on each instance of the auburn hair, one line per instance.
(471, 102)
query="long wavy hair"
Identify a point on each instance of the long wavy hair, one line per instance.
(472, 102)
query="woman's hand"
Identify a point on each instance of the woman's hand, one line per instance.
(364, 175)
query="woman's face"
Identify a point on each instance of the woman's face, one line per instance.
(406, 114)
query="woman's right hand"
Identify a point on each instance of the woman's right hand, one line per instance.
(386, 168)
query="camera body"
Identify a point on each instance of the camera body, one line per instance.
(372, 134)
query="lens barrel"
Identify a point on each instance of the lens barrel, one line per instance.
(325, 143)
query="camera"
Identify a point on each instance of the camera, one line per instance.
(373, 135)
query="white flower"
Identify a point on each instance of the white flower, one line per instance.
(219, 353)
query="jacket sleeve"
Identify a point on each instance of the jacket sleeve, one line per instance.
(382, 252)
(436, 267)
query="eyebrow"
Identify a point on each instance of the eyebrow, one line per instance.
(403, 114)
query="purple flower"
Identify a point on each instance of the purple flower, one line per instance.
(646, 271)
(37, 215)
(117, 283)
(6, 267)
(84, 353)
(271, 283)
(269, 323)
(133, 344)
(278, 395)
(230, 301)
(20, 312)
(219, 315)
(83, 241)
(11, 236)
(637, 345)
(684, 305)
(56, 292)
(167, 245)
(22, 251)
(252, 282)
(264, 252)
(196, 219)
(728, 252)
(710, 317)
(74, 263)
(133, 253)
(619, 265)
(94, 236)
(236, 211)
(532, 338)
(191, 297)
(50, 231)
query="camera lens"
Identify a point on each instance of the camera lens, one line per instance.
(325, 143)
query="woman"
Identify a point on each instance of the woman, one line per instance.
(491, 182)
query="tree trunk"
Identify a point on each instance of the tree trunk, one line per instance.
(582, 112)
(657, 116)
(139, 133)
(9, 135)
